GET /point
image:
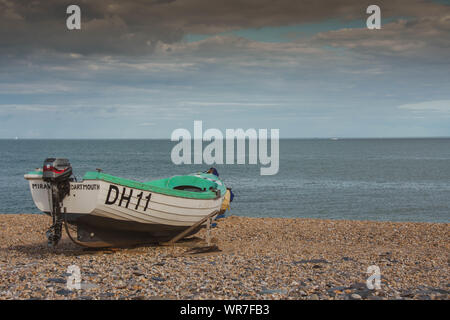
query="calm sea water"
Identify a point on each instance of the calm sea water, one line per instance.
(364, 179)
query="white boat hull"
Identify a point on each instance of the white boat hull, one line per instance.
(98, 204)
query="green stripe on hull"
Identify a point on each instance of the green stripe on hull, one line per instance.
(39, 173)
(165, 186)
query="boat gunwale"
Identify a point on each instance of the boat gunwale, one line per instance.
(99, 176)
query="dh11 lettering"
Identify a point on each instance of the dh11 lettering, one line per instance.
(125, 197)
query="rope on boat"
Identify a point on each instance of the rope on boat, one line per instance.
(80, 243)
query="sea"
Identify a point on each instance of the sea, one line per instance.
(357, 179)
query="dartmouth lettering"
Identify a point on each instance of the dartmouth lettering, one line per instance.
(124, 197)
(82, 186)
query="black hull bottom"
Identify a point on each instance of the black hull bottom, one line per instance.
(93, 230)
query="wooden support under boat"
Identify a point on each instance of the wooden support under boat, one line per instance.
(195, 225)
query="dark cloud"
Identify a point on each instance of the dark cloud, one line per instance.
(104, 77)
(107, 27)
(426, 39)
(135, 27)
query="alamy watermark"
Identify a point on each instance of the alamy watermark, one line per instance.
(374, 280)
(73, 281)
(74, 278)
(213, 152)
(374, 20)
(73, 22)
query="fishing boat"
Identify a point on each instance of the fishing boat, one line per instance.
(107, 210)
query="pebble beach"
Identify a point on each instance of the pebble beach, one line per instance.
(258, 258)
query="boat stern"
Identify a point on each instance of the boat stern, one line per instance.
(39, 190)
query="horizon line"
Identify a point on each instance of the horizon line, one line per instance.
(285, 138)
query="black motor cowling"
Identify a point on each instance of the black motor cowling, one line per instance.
(56, 170)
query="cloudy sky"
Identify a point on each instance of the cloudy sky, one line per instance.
(140, 69)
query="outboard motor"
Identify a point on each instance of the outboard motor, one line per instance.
(56, 169)
(57, 172)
